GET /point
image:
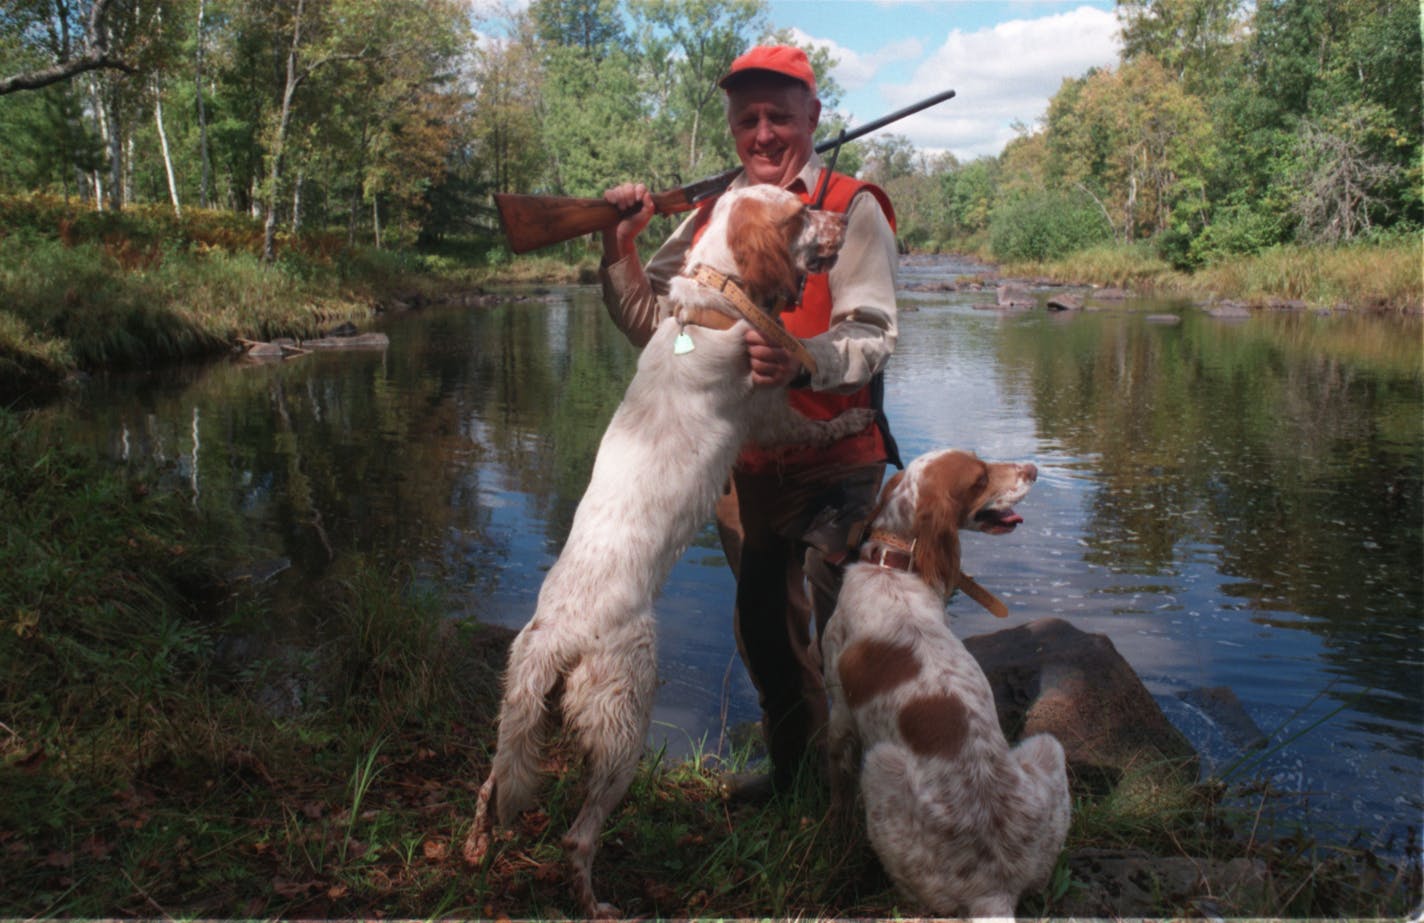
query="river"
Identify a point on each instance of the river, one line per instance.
(1234, 503)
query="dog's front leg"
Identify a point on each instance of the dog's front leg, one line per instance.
(843, 749)
(774, 423)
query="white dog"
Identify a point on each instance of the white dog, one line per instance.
(961, 822)
(660, 468)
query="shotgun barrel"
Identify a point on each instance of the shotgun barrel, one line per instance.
(533, 221)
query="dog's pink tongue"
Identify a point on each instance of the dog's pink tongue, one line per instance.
(1000, 520)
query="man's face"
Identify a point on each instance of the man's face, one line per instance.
(772, 126)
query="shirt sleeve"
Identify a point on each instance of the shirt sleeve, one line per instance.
(635, 295)
(863, 316)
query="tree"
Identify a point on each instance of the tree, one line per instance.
(1191, 39)
(1340, 178)
(1148, 142)
(505, 132)
(595, 27)
(705, 37)
(73, 55)
(889, 157)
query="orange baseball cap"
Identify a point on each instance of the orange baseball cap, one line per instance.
(787, 60)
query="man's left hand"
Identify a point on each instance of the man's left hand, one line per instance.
(772, 366)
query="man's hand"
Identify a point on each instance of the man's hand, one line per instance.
(620, 239)
(772, 366)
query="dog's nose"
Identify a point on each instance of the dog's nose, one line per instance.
(1030, 471)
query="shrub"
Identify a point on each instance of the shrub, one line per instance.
(1236, 230)
(1046, 225)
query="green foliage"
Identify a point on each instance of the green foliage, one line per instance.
(1046, 226)
(1233, 231)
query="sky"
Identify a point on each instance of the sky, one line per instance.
(1004, 60)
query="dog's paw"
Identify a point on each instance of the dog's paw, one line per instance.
(848, 423)
(477, 846)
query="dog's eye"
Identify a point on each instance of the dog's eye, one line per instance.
(982, 481)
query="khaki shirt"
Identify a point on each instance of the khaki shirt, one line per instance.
(863, 318)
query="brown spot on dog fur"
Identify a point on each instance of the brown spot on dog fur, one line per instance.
(871, 668)
(935, 725)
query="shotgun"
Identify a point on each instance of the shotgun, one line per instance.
(534, 221)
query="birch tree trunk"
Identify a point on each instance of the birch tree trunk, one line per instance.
(207, 161)
(163, 145)
(269, 225)
(297, 204)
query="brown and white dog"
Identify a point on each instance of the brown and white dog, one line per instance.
(961, 822)
(660, 467)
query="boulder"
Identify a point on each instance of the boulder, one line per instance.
(1049, 676)
(1014, 298)
(1228, 310)
(1064, 302)
(1221, 706)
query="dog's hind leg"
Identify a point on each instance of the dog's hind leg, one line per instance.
(534, 670)
(607, 706)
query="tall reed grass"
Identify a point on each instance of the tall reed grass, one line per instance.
(1386, 276)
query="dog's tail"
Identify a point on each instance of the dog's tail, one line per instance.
(533, 672)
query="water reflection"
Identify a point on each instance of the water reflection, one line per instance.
(1233, 504)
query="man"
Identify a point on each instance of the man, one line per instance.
(785, 511)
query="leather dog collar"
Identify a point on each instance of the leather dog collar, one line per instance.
(705, 317)
(895, 553)
(767, 325)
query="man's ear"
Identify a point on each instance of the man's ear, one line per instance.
(815, 112)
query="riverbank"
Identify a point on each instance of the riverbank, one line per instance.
(159, 760)
(1383, 277)
(85, 290)
(82, 290)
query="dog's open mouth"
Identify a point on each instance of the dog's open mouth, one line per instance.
(997, 521)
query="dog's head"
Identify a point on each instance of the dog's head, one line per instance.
(769, 239)
(945, 492)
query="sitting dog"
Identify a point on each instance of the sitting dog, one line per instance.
(961, 822)
(662, 464)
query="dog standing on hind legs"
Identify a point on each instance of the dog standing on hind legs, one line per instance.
(961, 822)
(659, 470)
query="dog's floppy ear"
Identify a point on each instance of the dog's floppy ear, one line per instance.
(947, 491)
(936, 551)
(760, 234)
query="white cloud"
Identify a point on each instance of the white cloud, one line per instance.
(853, 69)
(1003, 75)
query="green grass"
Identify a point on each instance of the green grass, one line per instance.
(1385, 276)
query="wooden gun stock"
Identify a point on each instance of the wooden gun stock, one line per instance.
(534, 221)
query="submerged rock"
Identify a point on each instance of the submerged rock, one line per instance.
(1050, 676)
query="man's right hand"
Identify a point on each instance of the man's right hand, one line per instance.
(620, 240)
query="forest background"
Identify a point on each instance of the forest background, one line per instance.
(1225, 129)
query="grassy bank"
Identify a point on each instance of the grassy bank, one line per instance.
(1386, 277)
(161, 757)
(82, 290)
